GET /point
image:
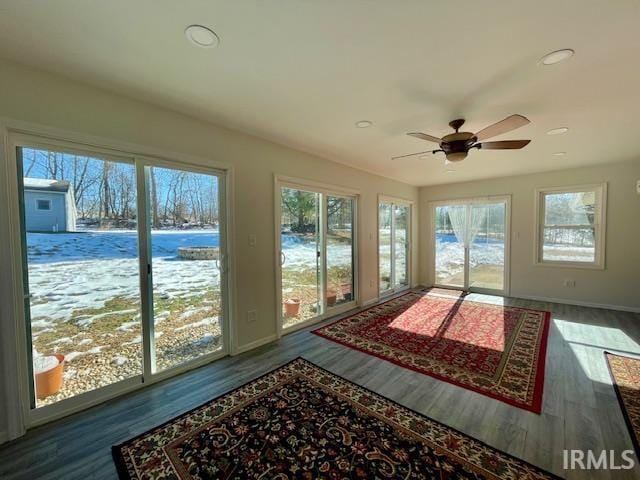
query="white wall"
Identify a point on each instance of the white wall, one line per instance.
(617, 285)
(34, 96)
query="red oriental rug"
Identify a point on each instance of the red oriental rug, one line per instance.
(494, 350)
(625, 374)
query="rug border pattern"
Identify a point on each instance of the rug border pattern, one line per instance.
(627, 419)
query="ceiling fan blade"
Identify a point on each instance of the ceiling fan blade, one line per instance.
(503, 126)
(424, 136)
(504, 145)
(414, 154)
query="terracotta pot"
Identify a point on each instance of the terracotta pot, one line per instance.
(49, 382)
(346, 292)
(292, 307)
(332, 295)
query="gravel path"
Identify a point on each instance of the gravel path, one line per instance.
(95, 360)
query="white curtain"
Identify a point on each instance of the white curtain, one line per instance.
(466, 221)
(458, 218)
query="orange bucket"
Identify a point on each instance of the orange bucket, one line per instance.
(49, 382)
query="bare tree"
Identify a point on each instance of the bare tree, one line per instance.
(154, 199)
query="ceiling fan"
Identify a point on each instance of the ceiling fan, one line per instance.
(456, 145)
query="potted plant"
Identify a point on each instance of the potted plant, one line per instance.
(49, 375)
(292, 307)
(332, 296)
(346, 292)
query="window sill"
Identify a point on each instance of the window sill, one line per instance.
(584, 266)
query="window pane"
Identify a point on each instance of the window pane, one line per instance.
(339, 250)
(187, 262)
(82, 264)
(569, 244)
(300, 256)
(575, 208)
(449, 251)
(44, 205)
(401, 244)
(486, 252)
(384, 240)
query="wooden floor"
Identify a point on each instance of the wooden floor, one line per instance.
(580, 407)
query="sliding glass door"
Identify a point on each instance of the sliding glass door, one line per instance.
(186, 258)
(82, 293)
(470, 244)
(394, 235)
(316, 241)
(124, 270)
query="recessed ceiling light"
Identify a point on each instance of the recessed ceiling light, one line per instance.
(364, 124)
(202, 36)
(559, 154)
(557, 56)
(558, 131)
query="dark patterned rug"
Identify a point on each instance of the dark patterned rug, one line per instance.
(300, 421)
(625, 374)
(498, 351)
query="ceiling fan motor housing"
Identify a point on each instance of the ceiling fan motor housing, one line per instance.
(456, 145)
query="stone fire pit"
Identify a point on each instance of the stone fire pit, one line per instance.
(198, 253)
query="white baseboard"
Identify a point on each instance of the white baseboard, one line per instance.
(370, 302)
(579, 303)
(255, 344)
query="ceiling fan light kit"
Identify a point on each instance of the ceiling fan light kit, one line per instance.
(456, 145)
(557, 56)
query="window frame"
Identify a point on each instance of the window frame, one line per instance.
(599, 225)
(38, 200)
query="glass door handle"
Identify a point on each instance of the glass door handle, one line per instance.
(283, 258)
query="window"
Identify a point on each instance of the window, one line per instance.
(394, 244)
(43, 204)
(571, 225)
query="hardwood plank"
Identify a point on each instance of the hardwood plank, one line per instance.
(580, 409)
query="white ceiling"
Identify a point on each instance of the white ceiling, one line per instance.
(302, 72)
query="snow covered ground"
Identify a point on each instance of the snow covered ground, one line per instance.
(450, 254)
(83, 270)
(300, 252)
